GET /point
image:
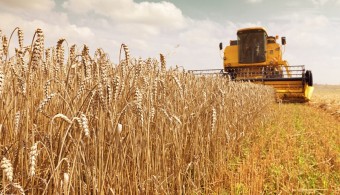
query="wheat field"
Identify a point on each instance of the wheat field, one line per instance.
(327, 97)
(75, 123)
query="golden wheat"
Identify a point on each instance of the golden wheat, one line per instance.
(17, 122)
(7, 167)
(2, 81)
(33, 159)
(84, 123)
(21, 38)
(4, 45)
(38, 49)
(146, 126)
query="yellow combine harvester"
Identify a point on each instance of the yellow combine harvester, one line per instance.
(257, 57)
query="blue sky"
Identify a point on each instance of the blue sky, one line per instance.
(187, 32)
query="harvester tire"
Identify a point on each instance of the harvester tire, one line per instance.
(309, 78)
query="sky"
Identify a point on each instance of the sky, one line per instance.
(187, 32)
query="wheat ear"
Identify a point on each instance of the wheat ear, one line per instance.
(62, 116)
(6, 165)
(44, 102)
(84, 124)
(33, 158)
(163, 63)
(2, 82)
(213, 119)
(20, 38)
(138, 100)
(19, 188)
(17, 122)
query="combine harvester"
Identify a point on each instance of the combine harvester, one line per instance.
(257, 57)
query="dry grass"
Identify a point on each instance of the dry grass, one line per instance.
(298, 153)
(81, 124)
(327, 97)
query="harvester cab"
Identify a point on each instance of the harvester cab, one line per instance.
(257, 57)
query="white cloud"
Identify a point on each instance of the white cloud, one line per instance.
(319, 2)
(293, 3)
(255, 1)
(36, 5)
(61, 28)
(311, 42)
(152, 28)
(200, 32)
(164, 14)
(306, 30)
(324, 2)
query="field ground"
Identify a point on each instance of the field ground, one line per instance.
(299, 152)
(327, 97)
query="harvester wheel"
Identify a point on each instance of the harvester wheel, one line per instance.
(309, 78)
